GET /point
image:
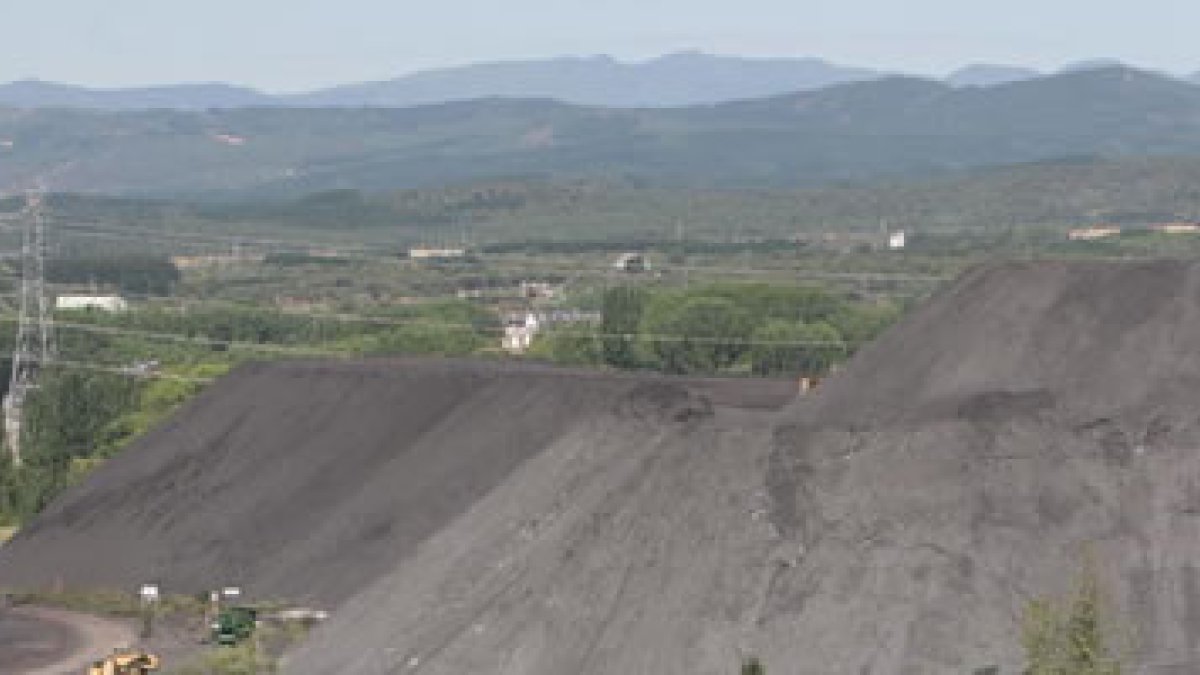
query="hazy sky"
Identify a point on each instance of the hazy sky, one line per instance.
(297, 44)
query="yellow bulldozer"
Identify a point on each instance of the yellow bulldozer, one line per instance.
(126, 662)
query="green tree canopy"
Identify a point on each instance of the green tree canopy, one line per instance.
(622, 314)
(687, 334)
(793, 348)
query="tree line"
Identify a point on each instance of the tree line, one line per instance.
(754, 329)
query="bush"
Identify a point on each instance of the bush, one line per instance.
(788, 347)
(1071, 636)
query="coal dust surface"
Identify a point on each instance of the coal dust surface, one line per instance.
(464, 518)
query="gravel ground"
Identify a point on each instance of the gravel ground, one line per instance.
(42, 641)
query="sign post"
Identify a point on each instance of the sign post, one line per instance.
(150, 597)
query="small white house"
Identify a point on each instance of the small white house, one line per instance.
(106, 303)
(519, 332)
(897, 240)
(631, 262)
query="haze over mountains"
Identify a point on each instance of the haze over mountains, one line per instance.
(986, 75)
(895, 126)
(680, 79)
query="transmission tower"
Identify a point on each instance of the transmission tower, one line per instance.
(34, 345)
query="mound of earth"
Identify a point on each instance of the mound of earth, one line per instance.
(306, 481)
(470, 518)
(1031, 416)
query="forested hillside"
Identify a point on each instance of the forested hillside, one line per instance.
(892, 127)
(1052, 195)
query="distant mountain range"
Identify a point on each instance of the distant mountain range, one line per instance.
(687, 78)
(894, 126)
(37, 94)
(681, 79)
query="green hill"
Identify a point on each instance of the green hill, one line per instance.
(888, 128)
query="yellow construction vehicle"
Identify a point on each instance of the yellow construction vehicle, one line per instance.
(126, 662)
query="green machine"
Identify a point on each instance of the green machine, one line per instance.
(234, 625)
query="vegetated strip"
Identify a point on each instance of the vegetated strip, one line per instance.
(313, 351)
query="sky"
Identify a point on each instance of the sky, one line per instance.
(295, 45)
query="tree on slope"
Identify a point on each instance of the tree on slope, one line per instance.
(1071, 637)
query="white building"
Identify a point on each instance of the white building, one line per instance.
(897, 240)
(423, 253)
(519, 332)
(1092, 233)
(107, 303)
(631, 262)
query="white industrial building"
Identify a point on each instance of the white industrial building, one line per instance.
(424, 253)
(106, 303)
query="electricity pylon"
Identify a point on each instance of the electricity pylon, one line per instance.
(34, 345)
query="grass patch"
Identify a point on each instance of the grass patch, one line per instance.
(243, 659)
(260, 654)
(102, 602)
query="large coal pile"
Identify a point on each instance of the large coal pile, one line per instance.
(305, 481)
(465, 518)
(1030, 416)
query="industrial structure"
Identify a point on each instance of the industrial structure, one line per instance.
(103, 303)
(34, 344)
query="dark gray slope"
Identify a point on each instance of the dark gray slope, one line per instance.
(896, 522)
(969, 459)
(305, 481)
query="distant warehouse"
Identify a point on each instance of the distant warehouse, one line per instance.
(1092, 233)
(106, 303)
(424, 253)
(1176, 228)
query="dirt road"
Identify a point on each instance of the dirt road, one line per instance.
(42, 641)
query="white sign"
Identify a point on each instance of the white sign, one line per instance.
(149, 593)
